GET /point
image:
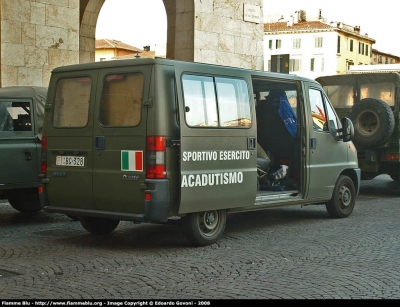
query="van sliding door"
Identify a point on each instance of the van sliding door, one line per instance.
(218, 159)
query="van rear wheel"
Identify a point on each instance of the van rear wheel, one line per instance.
(204, 228)
(97, 225)
(343, 198)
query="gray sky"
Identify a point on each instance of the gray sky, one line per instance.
(141, 23)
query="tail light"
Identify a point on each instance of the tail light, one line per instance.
(391, 157)
(155, 163)
(44, 155)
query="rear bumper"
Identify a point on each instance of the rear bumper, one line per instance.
(157, 205)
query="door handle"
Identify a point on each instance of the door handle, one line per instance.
(100, 142)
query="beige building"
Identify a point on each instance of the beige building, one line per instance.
(110, 49)
(379, 57)
(315, 47)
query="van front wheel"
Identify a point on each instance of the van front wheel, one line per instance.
(343, 198)
(97, 225)
(204, 228)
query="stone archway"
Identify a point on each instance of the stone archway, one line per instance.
(209, 31)
(184, 17)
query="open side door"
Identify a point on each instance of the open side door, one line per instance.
(218, 141)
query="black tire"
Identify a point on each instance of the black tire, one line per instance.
(367, 176)
(73, 217)
(97, 225)
(204, 228)
(394, 175)
(373, 121)
(26, 202)
(343, 198)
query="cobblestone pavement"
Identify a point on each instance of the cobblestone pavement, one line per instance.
(284, 253)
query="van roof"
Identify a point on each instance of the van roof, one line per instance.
(164, 61)
(361, 78)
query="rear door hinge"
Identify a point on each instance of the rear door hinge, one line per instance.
(148, 102)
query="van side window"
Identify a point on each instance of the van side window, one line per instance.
(121, 101)
(71, 105)
(216, 101)
(334, 121)
(318, 110)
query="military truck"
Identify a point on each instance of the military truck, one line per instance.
(371, 100)
(21, 122)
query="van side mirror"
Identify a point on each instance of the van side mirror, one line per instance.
(347, 129)
(346, 133)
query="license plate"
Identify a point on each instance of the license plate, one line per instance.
(70, 161)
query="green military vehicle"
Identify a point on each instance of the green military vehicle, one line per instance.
(159, 140)
(21, 122)
(371, 100)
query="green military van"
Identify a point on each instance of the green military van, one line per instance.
(21, 121)
(160, 140)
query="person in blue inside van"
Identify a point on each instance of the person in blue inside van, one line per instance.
(279, 98)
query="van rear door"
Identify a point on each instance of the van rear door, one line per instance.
(98, 130)
(218, 141)
(120, 139)
(69, 139)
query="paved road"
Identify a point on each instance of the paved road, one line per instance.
(285, 253)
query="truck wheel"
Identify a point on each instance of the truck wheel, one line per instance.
(373, 121)
(73, 217)
(343, 198)
(97, 225)
(204, 228)
(367, 176)
(25, 202)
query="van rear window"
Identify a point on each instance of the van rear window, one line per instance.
(121, 101)
(216, 101)
(71, 104)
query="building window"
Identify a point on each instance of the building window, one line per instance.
(270, 44)
(348, 64)
(338, 44)
(295, 65)
(366, 49)
(296, 43)
(269, 65)
(386, 60)
(318, 42)
(361, 48)
(312, 64)
(322, 65)
(351, 45)
(380, 60)
(278, 44)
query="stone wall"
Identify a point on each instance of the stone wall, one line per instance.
(223, 35)
(37, 36)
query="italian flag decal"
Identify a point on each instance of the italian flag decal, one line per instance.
(131, 160)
